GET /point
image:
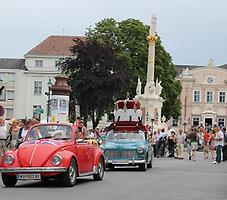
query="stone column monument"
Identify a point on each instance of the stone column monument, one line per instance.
(60, 99)
(151, 102)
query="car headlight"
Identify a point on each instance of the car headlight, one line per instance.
(56, 160)
(140, 149)
(9, 159)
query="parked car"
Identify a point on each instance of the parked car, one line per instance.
(127, 144)
(52, 151)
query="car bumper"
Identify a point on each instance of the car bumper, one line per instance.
(125, 162)
(33, 169)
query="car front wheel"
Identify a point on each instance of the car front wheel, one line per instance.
(69, 178)
(149, 165)
(100, 174)
(143, 166)
(9, 181)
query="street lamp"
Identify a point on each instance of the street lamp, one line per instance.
(49, 84)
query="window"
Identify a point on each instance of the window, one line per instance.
(38, 87)
(38, 63)
(195, 121)
(10, 95)
(9, 113)
(209, 96)
(221, 122)
(2, 78)
(175, 122)
(222, 97)
(196, 96)
(3, 95)
(11, 77)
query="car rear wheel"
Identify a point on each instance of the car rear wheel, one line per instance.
(9, 181)
(100, 174)
(69, 178)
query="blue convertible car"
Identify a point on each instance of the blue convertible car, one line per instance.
(126, 144)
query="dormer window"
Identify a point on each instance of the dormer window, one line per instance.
(39, 63)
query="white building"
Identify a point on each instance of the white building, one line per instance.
(26, 80)
(13, 80)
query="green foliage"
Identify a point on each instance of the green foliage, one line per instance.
(128, 39)
(97, 76)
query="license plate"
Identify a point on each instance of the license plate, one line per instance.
(28, 176)
(120, 162)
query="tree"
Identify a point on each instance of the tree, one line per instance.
(97, 77)
(128, 38)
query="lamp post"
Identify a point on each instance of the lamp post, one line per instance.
(49, 84)
(147, 118)
(152, 125)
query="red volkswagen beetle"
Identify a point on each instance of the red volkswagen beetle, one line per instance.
(52, 151)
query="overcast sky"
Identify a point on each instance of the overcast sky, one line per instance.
(192, 31)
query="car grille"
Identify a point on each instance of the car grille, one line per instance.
(112, 154)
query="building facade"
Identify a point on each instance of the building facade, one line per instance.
(203, 96)
(27, 80)
(13, 80)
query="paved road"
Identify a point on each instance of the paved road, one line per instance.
(168, 179)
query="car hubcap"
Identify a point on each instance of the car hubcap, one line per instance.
(100, 170)
(72, 173)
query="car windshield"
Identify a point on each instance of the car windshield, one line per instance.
(56, 132)
(127, 135)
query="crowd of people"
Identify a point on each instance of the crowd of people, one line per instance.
(13, 132)
(170, 143)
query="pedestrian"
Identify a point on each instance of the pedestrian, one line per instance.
(180, 139)
(188, 145)
(13, 132)
(153, 142)
(206, 144)
(161, 143)
(224, 150)
(212, 144)
(219, 143)
(171, 140)
(97, 132)
(3, 135)
(193, 136)
(23, 132)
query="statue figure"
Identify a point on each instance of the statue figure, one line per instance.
(151, 88)
(211, 63)
(158, 89)
(138, 88)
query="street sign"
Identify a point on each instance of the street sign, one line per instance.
(38, 110)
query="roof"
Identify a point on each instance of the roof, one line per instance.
(54, 46)
(180, 68)
(11, 63)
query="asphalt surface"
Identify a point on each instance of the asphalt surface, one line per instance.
(168, 179)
